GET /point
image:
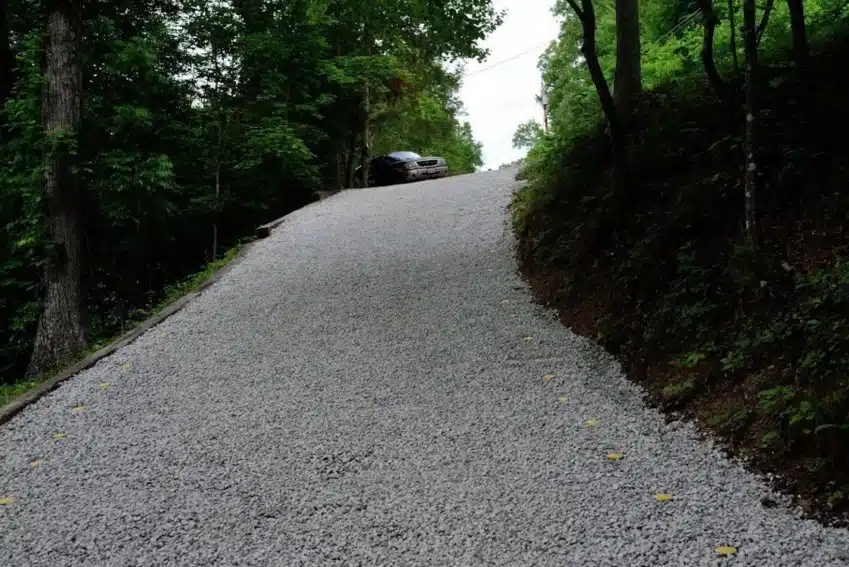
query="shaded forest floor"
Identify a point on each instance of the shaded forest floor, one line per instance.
(754, 345)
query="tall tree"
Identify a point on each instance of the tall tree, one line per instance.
(628, 82)
(709, 22)
(750, 176)
(60, 330)
(7, 59)
(801, 49)
(586, 14)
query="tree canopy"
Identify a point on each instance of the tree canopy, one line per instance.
(200, 120)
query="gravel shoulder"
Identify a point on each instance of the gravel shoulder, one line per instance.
(367, 387)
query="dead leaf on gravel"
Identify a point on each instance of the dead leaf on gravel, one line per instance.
(563, 399)
(504, 301)
(59, 435)
(79, 408)
(615, 456)
(163, 334)
(663, 497)
(725, 550)
(105, 385)
(36, 463)
(6, 500)
(127, 365)
(548, 377)
(591, 422)
(528, 339)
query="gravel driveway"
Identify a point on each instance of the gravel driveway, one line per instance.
(372, 385)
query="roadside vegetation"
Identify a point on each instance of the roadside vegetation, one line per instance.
(695, 224)
(140, 141)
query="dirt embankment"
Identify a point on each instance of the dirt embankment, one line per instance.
(754, 344)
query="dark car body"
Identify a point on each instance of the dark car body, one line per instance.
(402, 167)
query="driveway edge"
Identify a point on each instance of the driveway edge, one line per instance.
(12, 408)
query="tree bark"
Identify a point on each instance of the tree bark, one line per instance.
(60, 332)
(732, 40)
(750, 44)
(628, 80)
(586, 13)
(365, 142)
(801, 49)
(7, 58)
(350, 157)
(764, 19)
(710, 21)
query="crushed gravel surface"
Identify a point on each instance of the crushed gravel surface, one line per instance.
(366, 387)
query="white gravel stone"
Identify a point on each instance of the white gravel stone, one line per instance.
(357, 392)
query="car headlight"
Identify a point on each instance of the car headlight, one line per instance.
(411, 165)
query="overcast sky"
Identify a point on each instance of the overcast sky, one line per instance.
(500, 98)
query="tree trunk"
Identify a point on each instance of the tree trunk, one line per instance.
(365, 142)
(7, 59)
(710, 21)
(586, 13)
(340, 182)
(749, 139)
(628, 80)
(219, 141)
(350, 161)
(214, 254)
(60, 332)
(801, 49)
(732, 40)
(764, 19)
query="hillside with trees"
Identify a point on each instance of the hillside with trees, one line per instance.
(687, 209)
(140, 141)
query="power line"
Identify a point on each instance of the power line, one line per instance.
(686, 20)
(503, 61)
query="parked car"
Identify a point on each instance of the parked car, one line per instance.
(401, 167)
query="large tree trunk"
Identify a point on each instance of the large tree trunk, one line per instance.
(60, 331)
(750, 44)
(801, 49)
(628, 81)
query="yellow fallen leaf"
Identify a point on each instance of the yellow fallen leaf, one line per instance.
(563, 399)
(78, 409)
(36, 463)
(615, 456)
(163, 334)
(591, 422)
(663, 497)
(725, 550)
(127, 365)
(6, 500)
(528, 339)
(548, 377)
(59, 435)
(105, 385)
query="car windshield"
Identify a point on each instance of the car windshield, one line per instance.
(405, 155)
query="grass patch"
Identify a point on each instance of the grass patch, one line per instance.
(172, 293)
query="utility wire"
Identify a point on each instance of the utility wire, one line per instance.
(503, 61)
(686, 20)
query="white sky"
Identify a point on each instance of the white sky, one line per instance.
(497, 100)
